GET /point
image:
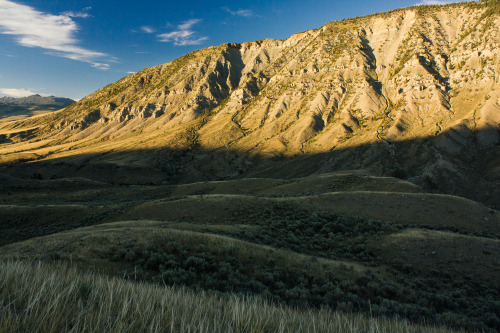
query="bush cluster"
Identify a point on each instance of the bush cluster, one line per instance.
(320, 234)
(460, 304)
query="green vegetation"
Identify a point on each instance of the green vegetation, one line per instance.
(492, 7)
(224, 265)
(339, 237)
(43, 298)
(319, 234)
(338, 37)
(405, 52)
(263, 254)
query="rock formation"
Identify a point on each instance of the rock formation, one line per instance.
(413, 92)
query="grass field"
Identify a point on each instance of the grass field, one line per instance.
(321, 242)
(44, 298)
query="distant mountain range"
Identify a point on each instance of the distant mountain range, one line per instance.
(12, 108)
(38, 100)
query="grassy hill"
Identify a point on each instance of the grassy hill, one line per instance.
(321, 241)
(344, 179)
(94, 303)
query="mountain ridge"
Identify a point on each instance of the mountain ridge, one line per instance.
(384, 86)
(12, 108)
(36, 99)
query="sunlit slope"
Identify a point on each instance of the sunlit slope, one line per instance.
(413, 92)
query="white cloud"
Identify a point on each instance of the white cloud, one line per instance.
(147, 29)
(55, 33)
(187, 25)
(83, 14)
(13, 92)
(184, 35)
(239, 12)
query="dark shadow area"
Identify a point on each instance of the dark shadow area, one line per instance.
(438, 164)
(410, 267)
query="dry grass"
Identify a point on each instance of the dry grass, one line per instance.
(443, 211)
(460, 254)
(39, 298)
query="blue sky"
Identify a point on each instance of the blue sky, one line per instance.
(72, 48)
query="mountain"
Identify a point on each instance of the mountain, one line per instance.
(12, 108)
(413, 92)
(330, 170)
(50, 101)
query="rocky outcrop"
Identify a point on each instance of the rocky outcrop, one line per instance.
(386, 77)
(416, 83)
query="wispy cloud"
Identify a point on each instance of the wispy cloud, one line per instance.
(184, 35)
(83, 14)
(55, 33)
(187, 25)
(13, 92)
(239, 12)
(147, 29)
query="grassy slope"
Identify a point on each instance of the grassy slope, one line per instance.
(294, 241)
(93, 303)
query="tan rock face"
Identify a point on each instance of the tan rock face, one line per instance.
(417, 84)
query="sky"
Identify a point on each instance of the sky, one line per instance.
(72, 48)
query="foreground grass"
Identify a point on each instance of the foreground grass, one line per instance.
(43, 298)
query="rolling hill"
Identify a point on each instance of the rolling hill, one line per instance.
(354, 168)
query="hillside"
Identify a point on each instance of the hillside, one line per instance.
(352, 170)
(347, 241)
(413, 93)
(66, 295)
(12, 108)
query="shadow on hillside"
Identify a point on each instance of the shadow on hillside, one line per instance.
(451, 163)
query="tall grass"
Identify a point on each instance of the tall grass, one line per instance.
(43, 298)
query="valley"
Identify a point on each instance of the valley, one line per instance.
(349, 172)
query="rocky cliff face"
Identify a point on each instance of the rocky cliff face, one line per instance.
(414, 92)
